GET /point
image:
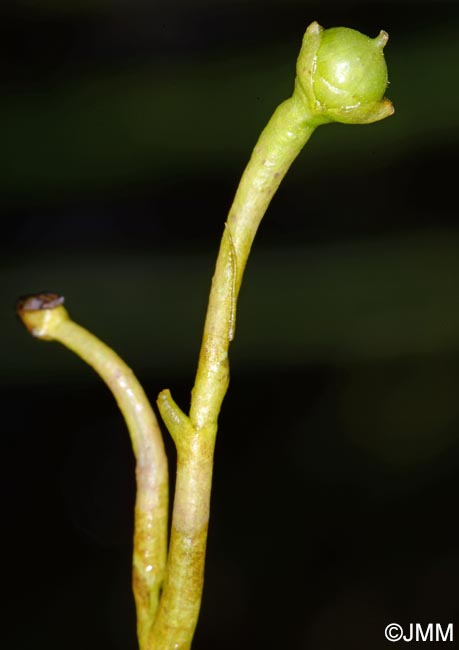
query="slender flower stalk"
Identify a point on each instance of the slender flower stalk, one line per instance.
(341, 76)
(46, 318)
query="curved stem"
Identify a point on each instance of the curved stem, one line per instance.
(283, 138)
(279, 144)
(151, 508)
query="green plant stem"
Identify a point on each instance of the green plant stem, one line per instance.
(279, 144)
(151, 508)
(181, 598)
(281, 141)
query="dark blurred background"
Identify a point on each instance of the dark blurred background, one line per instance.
(125, 127)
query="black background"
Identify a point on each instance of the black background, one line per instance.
(125, 127)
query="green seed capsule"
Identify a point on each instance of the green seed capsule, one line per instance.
(343, 75)
(350, 69)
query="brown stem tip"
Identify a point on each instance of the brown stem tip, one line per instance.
(39, 301)
(41, 313)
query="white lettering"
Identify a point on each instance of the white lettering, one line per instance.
(439, 632)
(424, 636)
(405, 638)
